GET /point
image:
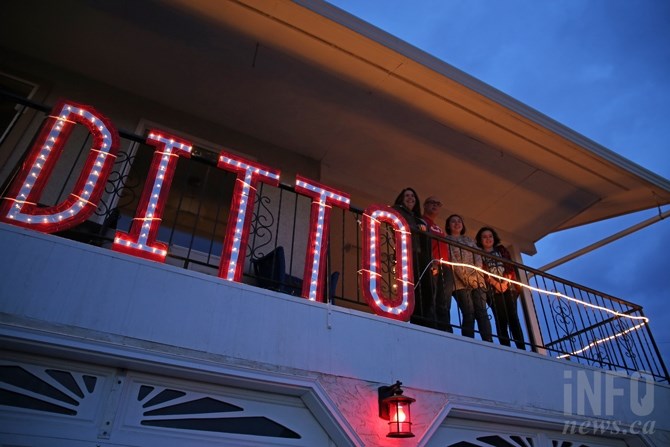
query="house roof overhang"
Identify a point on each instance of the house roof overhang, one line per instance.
(377, 113)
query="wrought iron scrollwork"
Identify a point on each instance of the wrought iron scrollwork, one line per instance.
(261, 227)
(564, 322)
(563, 317)
(388, 260)
(597, 355)
(626, 342)
(120, 189)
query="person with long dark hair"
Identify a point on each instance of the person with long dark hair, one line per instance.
(470, 287)
(503, 294)
(409, 206)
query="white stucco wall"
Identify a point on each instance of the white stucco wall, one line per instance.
(50, 285)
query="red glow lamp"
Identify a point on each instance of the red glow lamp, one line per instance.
(395, 408)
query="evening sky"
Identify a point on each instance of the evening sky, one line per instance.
(600, 67)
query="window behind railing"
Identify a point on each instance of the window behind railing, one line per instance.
(196, 210)
(558, 318)
(11, 111)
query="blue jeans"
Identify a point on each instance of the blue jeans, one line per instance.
(472, 303)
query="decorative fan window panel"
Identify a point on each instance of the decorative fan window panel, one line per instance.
(45, 402)
(51, 398)
(174, 411)
(457, 432)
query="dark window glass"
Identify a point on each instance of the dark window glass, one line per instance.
(17, 376)
(196, 210)
(90, 382)
(144, 391)
(204, 405)
(13, 399)
(66, 379)
(164, 396)
(256, 426)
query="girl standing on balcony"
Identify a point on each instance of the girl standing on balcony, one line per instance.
(409, 206)
(470, 287)
(503, 294)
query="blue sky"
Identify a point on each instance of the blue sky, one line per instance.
(600, 67)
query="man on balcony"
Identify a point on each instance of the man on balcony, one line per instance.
(437, 306)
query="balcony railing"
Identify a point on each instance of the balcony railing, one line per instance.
(559, 318)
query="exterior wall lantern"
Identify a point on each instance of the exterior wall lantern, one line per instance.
(394, 407)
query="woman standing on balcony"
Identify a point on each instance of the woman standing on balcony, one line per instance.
(503, 294)
(470, 286)
(409, 206)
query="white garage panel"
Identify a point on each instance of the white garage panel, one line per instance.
(182, 413)
(50, 403)
(457, 432)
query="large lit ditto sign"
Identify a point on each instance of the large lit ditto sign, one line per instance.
(141, 241)
(323, 198)
(20, 206)
(249, 174)
(401, 305)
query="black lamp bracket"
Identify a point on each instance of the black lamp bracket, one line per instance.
(384, 392)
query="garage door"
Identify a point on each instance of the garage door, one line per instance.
(51, 403)
(472, 433)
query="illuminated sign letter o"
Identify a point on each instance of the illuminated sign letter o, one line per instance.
(401, 305)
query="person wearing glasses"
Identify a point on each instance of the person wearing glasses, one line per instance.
(503, 294)
(470, 287)
(437, 308)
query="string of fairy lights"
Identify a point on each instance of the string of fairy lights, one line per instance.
(19, 207)
(405, 280)
(644, 320)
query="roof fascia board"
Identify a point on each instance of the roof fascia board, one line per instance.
(406, 50)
